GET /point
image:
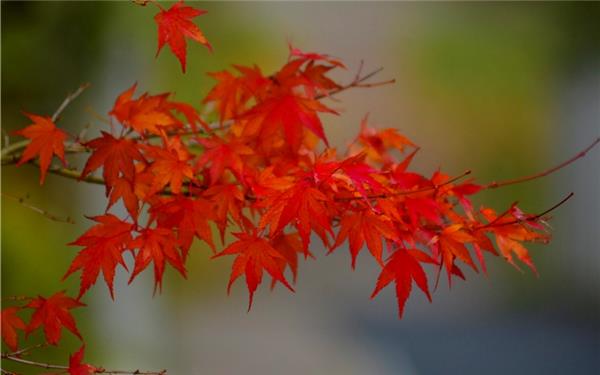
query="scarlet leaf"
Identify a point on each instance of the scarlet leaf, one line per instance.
(364, 226)
(188, 217)
(303, 205)
(53, 313)
(292, 114)
(46, 140)
(402, 268)
(104, 245)
(253, 255)
(158, 246)
(115, 155)
(76, 367)
(174, 25)
(146, 114)
(11, 322)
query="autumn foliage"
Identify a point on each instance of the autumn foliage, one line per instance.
(259, 170)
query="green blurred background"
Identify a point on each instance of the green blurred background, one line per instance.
(504, 89)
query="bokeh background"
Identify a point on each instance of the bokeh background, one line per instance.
(504, 89)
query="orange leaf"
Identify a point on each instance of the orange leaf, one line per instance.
(46, 140)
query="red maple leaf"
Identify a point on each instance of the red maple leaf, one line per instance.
(159, 246)
(115, 155)
(231, 93)
(291, 113)
(221, 155)
(365, 226)
(253, 255)
(76, 367)
(104, 245)
(188, 217)
(148, 113)
(171, 165)
(174, 25)
(402, 268)
(53, 313)
(46, 140)
(303, 205)
(11, 322)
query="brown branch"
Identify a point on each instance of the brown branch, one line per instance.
(358, 82)
(40, 211)
(70, 97)
(98, 370)
(26, 350)
(494, 184)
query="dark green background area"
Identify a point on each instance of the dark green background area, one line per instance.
(504, 89)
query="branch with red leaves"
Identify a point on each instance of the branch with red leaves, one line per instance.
(257, 164)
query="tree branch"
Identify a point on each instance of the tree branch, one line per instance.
(98, 370)
(582, 153)
(39, 210)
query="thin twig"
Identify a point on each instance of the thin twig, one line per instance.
(12, 148)
(530, 218)
(40, 211)
(68, 100)
(408, 192)
(98, 370)
(494, 185)
(26, 350)
(33, 363)
(16, 298)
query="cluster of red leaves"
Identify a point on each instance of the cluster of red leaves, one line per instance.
(51, 314)
(265, 172)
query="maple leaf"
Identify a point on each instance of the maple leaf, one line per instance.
(227, 200)
(158, 246)
(11, 322)
(170, 165)
(450, 245)
(189, 217)
(148, 113)
(104, 245)
(292, 113)
(378, 143)
(76, 367)
(53, 313)
(510, 230)
(365, 226)
(46, 140)
(125, 190)
(174, 25)
(231, 93)
(253, 255)
(115, 155)
(303, 205)
(289, 245)
(221, 155)
(402, 268)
